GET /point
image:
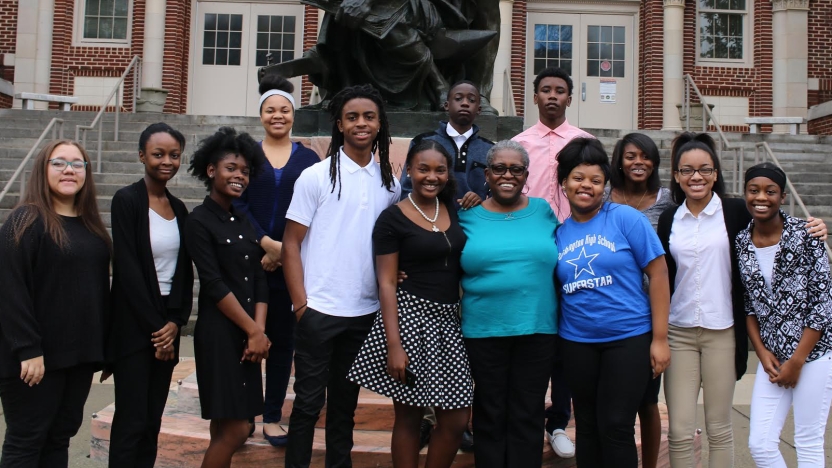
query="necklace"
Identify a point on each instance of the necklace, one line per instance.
(639, 200)
(435, 215)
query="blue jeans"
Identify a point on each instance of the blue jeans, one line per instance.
(280, 326)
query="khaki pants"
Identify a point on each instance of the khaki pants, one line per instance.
(704, 358)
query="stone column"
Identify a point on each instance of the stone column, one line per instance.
(503, 59)
(33, 50)
(673, 80)
(152, 95)
(790, 53)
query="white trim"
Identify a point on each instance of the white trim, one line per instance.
(747, 40)
(820, 110)
(6, 87)
(78, 39)
(591, 7)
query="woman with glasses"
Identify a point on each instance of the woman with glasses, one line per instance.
(509, 306)
(613, 333)
(707, 308)
(152, 297)
(55, 277)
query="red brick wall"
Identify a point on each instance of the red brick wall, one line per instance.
(820, 50)
(176, 56)
(822, 126)
(5, 101)
(8, 38)
(310, 38)
(651, 64)
(518, 55)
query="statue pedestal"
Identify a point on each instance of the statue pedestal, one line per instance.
(315, 122)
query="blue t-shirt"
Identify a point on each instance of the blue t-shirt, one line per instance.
(599, 274)
(508, 268)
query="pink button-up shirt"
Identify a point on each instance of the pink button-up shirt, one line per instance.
(543, 145)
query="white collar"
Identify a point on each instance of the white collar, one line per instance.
(451, 131)
(351, 166)
(713, 206)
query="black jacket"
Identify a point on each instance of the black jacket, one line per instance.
(138, 309)
(736, 219)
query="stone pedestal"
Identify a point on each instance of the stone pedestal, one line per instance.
(152, 100)
(695, 116)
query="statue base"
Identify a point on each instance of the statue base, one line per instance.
(312, 122)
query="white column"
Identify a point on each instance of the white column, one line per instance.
(154, 43)
(33, 50)
(790, 53)
(503, 59)
(673, 79)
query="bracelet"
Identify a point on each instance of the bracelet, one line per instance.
(299, 308)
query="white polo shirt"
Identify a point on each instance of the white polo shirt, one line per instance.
(337, 252)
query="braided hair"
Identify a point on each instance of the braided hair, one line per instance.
(381, 143)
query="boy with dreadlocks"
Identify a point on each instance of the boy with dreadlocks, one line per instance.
(328, 265)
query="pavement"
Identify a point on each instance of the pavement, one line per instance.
(101, 395)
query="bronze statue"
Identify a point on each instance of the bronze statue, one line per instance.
(411, 50)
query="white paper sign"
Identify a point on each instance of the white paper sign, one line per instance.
(607, 91)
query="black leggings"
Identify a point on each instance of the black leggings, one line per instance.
(608, 381)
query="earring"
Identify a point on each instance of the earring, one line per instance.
(525, 189)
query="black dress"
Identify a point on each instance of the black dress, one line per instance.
(226, 251)
(428, 309)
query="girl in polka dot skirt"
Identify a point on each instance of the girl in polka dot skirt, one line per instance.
(415, 353)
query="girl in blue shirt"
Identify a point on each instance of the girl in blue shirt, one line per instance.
(613, 334)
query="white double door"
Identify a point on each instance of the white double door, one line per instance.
(230, 44)
(598, 51)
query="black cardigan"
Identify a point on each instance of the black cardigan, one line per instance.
(736, 219)
(138, 309)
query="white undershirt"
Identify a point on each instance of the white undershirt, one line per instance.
(164, 241)
(765, 258)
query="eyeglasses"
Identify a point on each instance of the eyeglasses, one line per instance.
(501, 169)
(689, 171)
(61, 164)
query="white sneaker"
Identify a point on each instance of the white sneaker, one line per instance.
(561, 443)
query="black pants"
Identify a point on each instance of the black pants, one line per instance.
(608, 381)
(280, 325)
(325, 349)
(41, 419)
(510, 379)
(141, 388)
(560, 411)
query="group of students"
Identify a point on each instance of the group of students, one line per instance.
(488, 271)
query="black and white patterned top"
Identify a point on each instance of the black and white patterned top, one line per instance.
(800, 294)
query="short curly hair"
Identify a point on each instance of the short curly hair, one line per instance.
(222, 143)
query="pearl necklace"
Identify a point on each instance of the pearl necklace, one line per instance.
(435, 215)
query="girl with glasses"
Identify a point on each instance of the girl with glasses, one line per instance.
(152, 297)
(55, 253)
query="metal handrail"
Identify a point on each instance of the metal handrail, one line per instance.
(509, 108)
(794, 197)
(724, 144)
(81, 130)
(57, 133)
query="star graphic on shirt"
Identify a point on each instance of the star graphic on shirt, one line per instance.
(582, 263)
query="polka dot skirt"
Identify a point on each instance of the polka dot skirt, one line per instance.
(432, 338)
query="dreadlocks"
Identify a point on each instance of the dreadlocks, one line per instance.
(381, 143)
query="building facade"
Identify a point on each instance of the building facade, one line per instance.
(628, 59)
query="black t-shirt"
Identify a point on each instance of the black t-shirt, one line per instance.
(431, 264)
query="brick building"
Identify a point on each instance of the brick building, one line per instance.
(627, 58)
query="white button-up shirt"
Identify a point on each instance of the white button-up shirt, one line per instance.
(458, 138)
(699, 245)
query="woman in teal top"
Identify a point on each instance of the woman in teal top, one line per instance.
(509, 311)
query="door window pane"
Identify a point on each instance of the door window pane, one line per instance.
(222, 39)
(278, 33)
(606, 51)
(552, 47)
